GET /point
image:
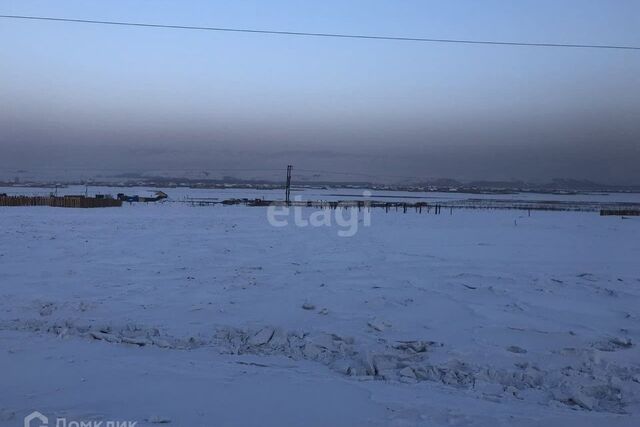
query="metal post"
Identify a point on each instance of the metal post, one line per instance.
(287, 192)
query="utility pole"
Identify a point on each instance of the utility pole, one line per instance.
(287, 191)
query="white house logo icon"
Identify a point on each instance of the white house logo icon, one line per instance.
(35, 415)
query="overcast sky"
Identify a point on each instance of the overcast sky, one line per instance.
(96, 99)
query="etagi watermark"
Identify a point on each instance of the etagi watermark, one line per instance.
(346, 216)
(37, 419)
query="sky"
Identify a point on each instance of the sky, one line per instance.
(83, 100)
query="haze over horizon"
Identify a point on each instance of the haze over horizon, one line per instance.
(103, 99)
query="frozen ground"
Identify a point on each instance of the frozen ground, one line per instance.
(210, 316)
(182, 193)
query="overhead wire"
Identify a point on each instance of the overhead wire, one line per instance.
(322, 34)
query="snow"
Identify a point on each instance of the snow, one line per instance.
(181, 193)
(210, 316)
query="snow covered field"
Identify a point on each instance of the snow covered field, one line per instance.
(209, 316)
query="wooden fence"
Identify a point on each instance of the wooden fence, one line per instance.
(620, 212)
(59, 202)
(605, 208)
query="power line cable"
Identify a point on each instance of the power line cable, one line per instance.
(318, 171)
(313, 34)
(125, 170)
